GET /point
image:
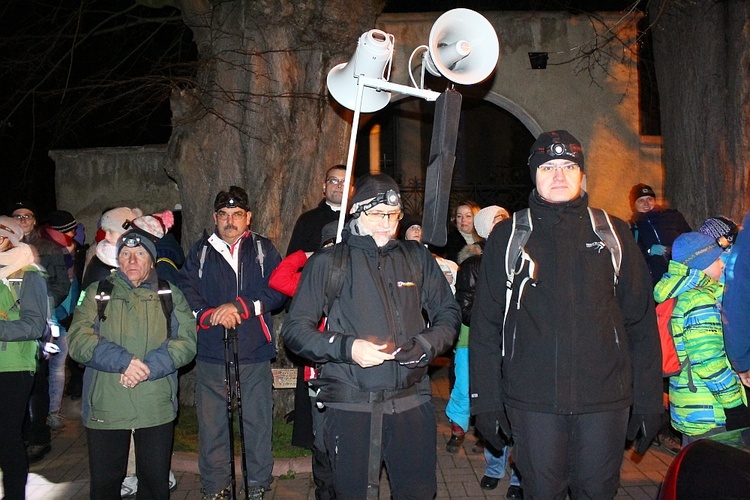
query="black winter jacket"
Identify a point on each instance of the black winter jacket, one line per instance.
(660, 226)
(469, 260)
(307, 230)
(575, 344)
(379, 301)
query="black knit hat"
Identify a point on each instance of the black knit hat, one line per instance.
(62, 221)
(380, 187)
(554, 145)
(640, 190)
(137, 237)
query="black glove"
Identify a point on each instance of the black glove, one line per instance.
(646, 425)
(411, 354)
(738, 417)
(490, 425)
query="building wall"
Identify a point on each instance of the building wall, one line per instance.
(597, 104)
(87, 181)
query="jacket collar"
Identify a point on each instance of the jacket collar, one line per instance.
(541, 207)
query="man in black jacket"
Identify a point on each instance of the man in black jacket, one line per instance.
(577, 349)
(306, 233)
(376, 348)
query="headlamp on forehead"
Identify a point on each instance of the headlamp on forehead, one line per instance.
(131, 240)
(390, 198)
(562, 150)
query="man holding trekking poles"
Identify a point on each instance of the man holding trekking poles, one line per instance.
(225, 280)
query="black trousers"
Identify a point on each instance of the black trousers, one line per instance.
(408, 450)
(35, 428)
(108, 461)
(15, 388)
(581, 452)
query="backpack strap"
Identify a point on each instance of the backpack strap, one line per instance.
(202, 260)
(339, 263)
(602, 225)
(103, 294)
(520, 232)
(167, 305)
(261, 256)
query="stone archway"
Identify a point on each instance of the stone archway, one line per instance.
(494, 139)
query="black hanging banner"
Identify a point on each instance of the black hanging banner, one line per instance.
(437, 188)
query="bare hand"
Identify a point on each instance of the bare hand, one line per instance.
(367, 354)
(225, 315)
(136, 373)
(745, 377)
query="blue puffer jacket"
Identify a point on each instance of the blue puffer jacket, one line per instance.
(208, 281)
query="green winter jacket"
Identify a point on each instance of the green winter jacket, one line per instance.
(23, 318)
(135, 326)
(699, 393)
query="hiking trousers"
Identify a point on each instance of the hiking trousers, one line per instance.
(582, 452)
(408, 451)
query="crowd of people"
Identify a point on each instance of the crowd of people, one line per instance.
(557, 370)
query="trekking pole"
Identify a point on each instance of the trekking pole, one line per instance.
(238, 392)
(230, 419)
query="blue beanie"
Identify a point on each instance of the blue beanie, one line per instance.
(695, 250)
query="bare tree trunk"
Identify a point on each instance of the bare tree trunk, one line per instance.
(261, 117)
(701, 58)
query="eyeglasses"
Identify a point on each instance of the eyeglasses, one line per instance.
(335, 181)
(235, 216)
(396, 216)
(567, 168)
(23, 217)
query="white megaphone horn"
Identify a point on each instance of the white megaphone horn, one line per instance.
(463, 47)
(371, 59)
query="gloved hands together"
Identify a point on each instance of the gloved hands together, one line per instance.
(657, 250)
(490, 425)
(738, 417)
(645, 425)
(411, 354)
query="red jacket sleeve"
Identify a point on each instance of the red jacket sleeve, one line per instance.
(287, 274)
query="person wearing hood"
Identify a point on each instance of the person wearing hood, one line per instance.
(707, 396)
(573, 366)
(375, 351)
(23, 316)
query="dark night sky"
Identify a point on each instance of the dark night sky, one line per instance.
(38, 125)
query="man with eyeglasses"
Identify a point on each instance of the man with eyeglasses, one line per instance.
(573, 365)
(306, 237)
(376, 348)
(225, 280)
(306, 233)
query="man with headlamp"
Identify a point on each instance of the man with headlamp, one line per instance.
(566, 361)
(225, 280)
(372, 288)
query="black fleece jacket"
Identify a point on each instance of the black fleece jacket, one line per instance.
(576, 344)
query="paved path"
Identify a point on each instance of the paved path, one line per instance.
(63, 474)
